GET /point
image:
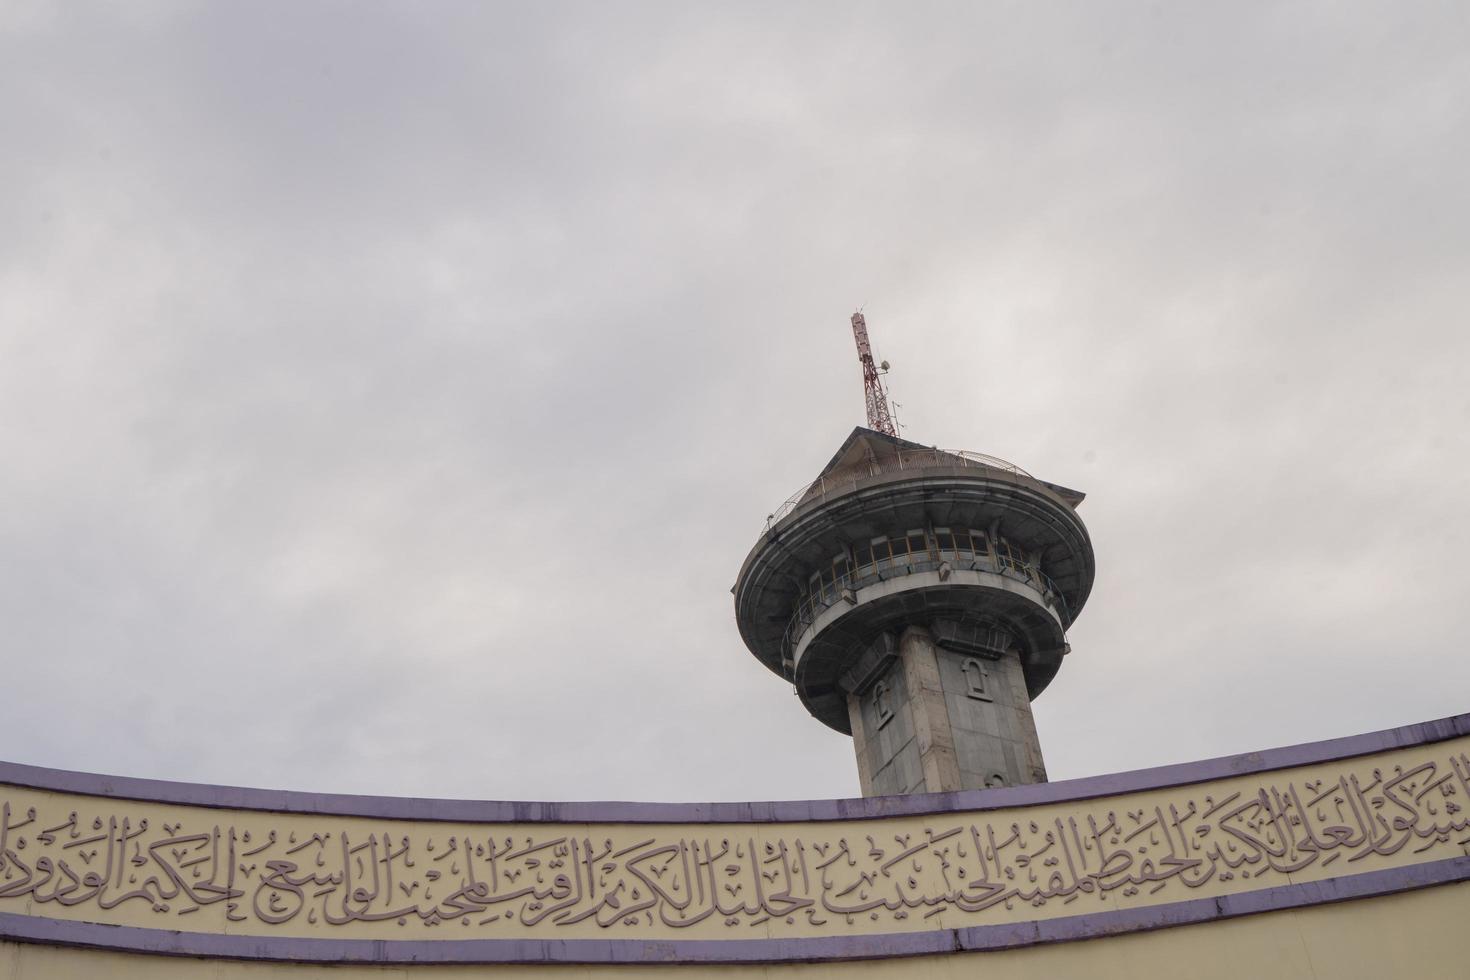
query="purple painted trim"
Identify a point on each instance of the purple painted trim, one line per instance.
(58, 932)
(790, 811)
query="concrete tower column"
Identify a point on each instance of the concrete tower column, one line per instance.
(933, 719)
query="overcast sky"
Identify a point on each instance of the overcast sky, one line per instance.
(391, 392)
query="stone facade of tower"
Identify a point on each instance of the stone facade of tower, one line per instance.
(942, 715)
(919, 600)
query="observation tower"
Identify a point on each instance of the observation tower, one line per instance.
(919, 600)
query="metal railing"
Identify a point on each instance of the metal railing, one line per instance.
(813, 604)
(906, 459)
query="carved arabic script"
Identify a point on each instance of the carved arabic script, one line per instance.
(835, 877)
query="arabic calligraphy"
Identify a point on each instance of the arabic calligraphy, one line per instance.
(201, 869)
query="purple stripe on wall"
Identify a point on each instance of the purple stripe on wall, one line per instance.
(34, 929)
(492, 811)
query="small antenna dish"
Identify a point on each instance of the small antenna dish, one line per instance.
(883, 366)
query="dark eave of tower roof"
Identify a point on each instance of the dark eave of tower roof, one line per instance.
(1072, 497)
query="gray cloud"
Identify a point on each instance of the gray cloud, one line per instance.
(392, 394)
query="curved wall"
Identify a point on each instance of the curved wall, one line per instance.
(140, 867)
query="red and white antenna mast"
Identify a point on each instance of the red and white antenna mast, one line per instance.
(880, 417)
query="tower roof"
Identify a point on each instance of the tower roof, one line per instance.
(863, 443)
(864, 447)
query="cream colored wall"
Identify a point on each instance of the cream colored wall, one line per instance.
(240, 872)
(1417, 934)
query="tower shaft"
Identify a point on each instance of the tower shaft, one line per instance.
(880, 417)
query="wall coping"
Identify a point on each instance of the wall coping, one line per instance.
(774, 811)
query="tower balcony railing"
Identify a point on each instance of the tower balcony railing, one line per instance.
(906, 459)
(814, 603)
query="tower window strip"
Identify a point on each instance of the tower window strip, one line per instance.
(887, 552)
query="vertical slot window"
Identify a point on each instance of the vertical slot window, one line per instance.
(918, 546)
(882, 554)
(1011, 556)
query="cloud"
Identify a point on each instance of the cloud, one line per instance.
(393, 395)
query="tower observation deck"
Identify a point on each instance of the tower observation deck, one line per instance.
(919, 600)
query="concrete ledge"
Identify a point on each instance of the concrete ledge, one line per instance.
(984, 582)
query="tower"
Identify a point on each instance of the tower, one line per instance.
(919, 600)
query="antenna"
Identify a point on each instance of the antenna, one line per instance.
(880, 416)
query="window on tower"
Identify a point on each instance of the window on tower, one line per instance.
(902, 552)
